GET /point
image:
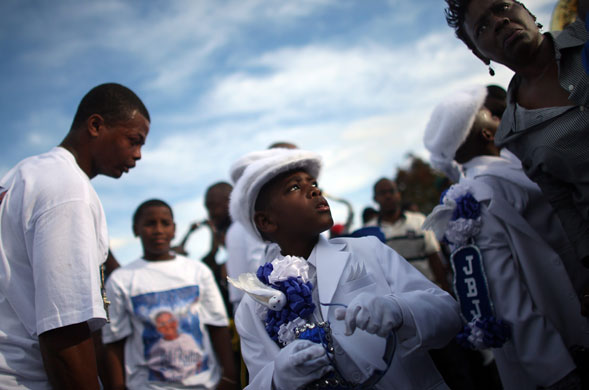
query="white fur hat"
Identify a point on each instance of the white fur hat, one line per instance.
(237, 168)
(448, 127)
(255, 169)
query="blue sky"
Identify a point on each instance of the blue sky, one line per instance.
(352, 80)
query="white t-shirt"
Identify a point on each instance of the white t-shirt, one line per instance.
(245, 254)
(53, 239)
(185, 291)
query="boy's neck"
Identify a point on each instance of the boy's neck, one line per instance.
(300, 248)
(166, 257)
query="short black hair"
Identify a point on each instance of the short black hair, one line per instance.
(456, 13)
(496, 91)
(218, 185)
(496, 100)
(114, 102)
(380, 181)
(145, 205)
(368, 213)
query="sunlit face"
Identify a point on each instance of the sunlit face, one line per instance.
(155, 227)
(118, 146)
(167, 325)
(502, 31)
(387, 195)
(298, 207)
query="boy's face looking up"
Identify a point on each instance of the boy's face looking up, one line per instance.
(155, 227)
(290, 207)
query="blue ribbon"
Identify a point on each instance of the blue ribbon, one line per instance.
(476, 306)
(470, 283)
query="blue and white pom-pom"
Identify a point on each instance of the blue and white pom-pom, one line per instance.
(286, 282)
(457, 218)
(482, 333)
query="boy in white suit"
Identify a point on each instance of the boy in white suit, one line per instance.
(364, 289)
(532, 276)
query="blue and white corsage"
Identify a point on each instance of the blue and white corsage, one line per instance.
(456, 221)
(283, 289)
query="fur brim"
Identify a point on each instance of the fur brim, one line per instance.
(450, 124)
(259, 170)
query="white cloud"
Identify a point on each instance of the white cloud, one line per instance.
(362, 104)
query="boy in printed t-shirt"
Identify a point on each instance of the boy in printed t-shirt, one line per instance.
(277, 198)
(168, 324)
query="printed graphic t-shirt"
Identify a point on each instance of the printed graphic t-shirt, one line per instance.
(162, 307)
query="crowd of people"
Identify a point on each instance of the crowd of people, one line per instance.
(488, 291)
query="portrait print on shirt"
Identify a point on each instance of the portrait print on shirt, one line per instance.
(172, 339)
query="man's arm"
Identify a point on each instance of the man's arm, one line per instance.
(221, 340)
(110, 264)
(68, 357)
(115, 365)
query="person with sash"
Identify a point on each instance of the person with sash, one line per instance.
(516, 276)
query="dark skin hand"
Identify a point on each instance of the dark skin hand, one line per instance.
(221, 340)
(69, 357)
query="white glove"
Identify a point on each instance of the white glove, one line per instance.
(299, 363)
(374, 314)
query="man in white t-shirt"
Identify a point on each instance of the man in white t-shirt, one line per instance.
(53, 240)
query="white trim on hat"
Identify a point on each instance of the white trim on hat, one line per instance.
(257, 169)
(449, 125)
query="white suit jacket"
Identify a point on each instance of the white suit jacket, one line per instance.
(345, 268)
(530, 284)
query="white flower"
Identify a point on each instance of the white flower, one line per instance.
(286, 332)
(287, 267)
(461, 230)
(476, 336)
(438, 220)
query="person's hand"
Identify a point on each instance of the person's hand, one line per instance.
(299, 363)
(374, 314)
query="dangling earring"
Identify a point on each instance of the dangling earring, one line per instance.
(491, 70)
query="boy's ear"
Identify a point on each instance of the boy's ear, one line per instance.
(487, 135)
(135, 231)
(264, 222)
